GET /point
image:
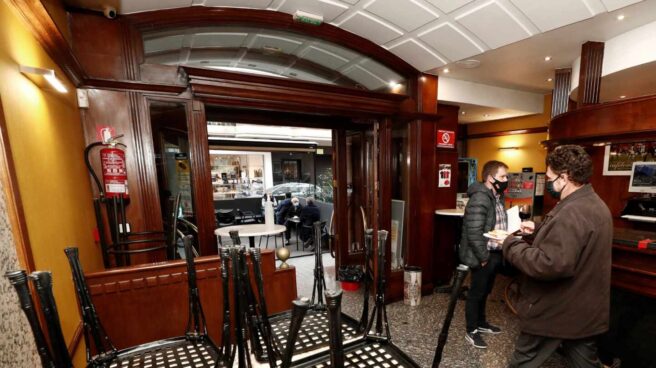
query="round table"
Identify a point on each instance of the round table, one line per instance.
(251, 231)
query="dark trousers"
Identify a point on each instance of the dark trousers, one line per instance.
(482, 282)
(531, 351)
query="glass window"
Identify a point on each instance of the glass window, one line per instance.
(270, 52)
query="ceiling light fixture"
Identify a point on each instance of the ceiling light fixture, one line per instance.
(393, 84)
(445, 70)
(549, 79)
(486, 115)
(622, 96)
(468, 64)
(463, 112)
(547, 58)
(620, 17)
(38, 75)
(509, 148)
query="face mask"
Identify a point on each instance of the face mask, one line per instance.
(500, 186)
(550, 188)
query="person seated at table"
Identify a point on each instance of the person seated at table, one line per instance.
(309, 215)
(288, 209)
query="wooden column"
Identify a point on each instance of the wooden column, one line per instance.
(592, 57)
(560, 102)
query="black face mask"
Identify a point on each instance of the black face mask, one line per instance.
(500, 186)
(552, 190)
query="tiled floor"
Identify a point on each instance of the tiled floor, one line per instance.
(415, 329)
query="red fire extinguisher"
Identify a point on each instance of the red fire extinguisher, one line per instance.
(113, 166)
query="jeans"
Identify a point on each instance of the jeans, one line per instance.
(482, 282)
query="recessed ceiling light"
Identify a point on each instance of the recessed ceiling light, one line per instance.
(622, 96)
(620, 17)
(486, 115)
(445, 70)
(547, 58)
(468, 64)
(393, 84)
(549, 79)
(463, 112)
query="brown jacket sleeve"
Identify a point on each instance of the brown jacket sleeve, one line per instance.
(554, 252)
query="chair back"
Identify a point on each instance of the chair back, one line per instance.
(42, 281)
(196, 323)
(94, 333)
(19, 280)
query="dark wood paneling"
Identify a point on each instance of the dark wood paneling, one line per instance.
(124, 85)
(560, 101)
(340, 197)
(124, 111)
(612, 121)
(198, 16)
(202, 179)
(592, 58)
(247, 91)
(98, 45)
(442, 256)
(139, 304)
(634, 270)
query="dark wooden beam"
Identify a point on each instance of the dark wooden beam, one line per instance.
(592, 58)
(560, 100)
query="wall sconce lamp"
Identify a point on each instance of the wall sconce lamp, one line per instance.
(39, 76)
(508, 148)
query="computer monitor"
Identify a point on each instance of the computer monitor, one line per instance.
(643, 177)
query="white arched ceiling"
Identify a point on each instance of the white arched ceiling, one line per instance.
(426, 33)
(510, 38)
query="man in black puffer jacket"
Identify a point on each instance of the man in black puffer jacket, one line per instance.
(484, 212)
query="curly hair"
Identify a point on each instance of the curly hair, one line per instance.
(571, 160)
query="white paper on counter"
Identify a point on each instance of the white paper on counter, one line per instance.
(514, 222)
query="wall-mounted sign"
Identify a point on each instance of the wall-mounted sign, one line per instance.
(104, 133)
(444, 176)
(446, 138)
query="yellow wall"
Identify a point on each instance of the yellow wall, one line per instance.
(530, 152)
(47, 143)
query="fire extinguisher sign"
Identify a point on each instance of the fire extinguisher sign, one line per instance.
(446, 138)
(444, 176)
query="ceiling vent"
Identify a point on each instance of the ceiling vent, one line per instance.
(468, 64)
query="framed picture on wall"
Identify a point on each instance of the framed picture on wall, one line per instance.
(619, 158)
(291, 170)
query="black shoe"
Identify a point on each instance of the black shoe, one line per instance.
(287, 242)
(488, 328)
(476, 339)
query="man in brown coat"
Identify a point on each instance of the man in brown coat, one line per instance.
(564, 298)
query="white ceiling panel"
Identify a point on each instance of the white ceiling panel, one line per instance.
(407, 14)
(131, 6)
(493, 24)
(218, 39)
(557, 14)
(616, 4)
(365, 77)
(324, 57)
(255, 4)
(163, 43)
(371, 28)
(448, 6)
(326, 8)
(261, 65)
(417, 55)
(169, 59)
(213, 55)
(450, 42)
(285, 44)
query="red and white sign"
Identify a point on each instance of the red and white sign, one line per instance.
(104, 133)
(444, 176)
(446, 138)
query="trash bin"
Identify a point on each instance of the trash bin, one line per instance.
(350, 277)
(412, 285)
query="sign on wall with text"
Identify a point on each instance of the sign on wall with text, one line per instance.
(444, 176)
(446, 138)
